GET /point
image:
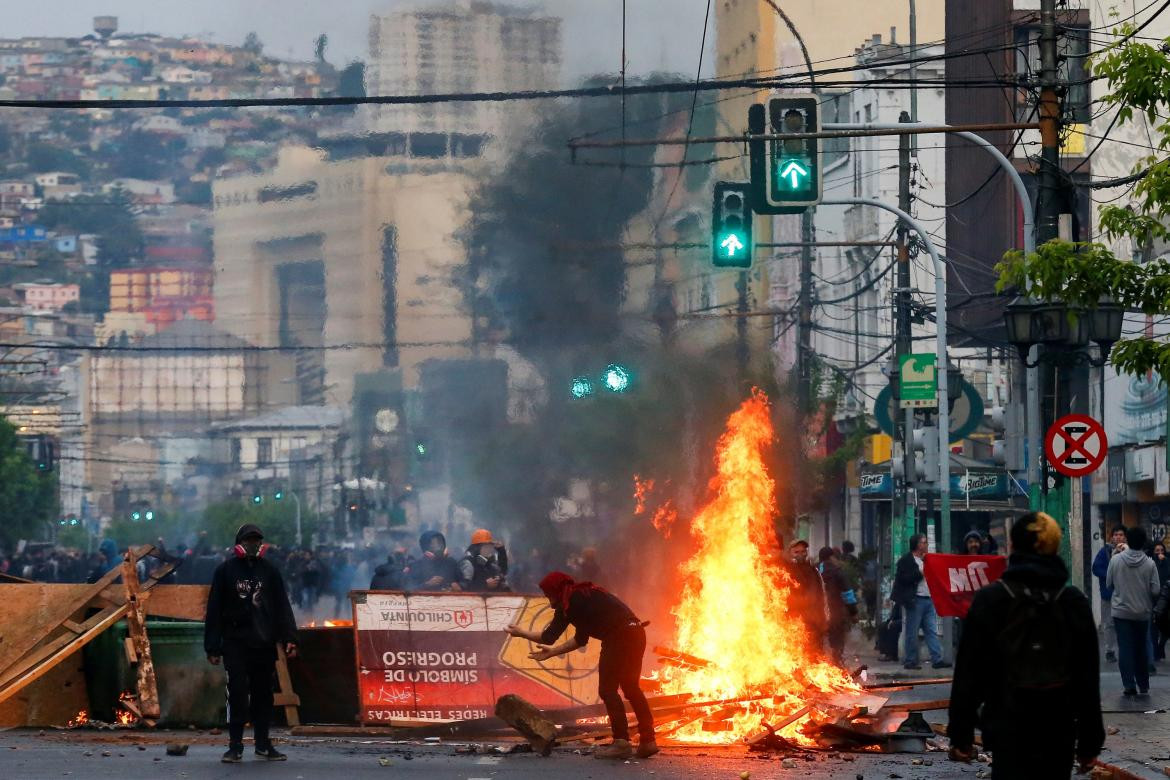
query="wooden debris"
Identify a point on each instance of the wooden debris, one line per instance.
(148, 701)
(540, 732)
(910, 683)
(920, 706)
(680, 658)
(286, 697)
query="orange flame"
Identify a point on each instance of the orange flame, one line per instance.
(126, 717)
(338, 622)
(733, 610)
(664, 516)
(81, 720)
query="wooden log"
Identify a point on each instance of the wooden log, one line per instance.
(131, 654)
(540, 732)
(911, 683)
(148, 700)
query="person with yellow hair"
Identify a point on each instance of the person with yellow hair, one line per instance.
(1027, 671)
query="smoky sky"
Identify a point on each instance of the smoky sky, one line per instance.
(660, 34)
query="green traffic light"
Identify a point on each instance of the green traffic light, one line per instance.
(617, 378)
(257, 499)
(149, 514)
(581, 387)
(420, 447)
(278, 495)
(135, 515)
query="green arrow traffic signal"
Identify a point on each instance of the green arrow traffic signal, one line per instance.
(792, 172)
(731, 225)
(731, 244)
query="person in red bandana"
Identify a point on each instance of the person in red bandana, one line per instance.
(595, 612)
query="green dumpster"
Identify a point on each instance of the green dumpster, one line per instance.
(190, 690)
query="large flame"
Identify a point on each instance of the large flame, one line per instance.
(733, 611)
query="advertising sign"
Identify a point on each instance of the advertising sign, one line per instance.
(445, 656)
(918, 381)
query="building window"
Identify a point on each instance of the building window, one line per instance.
(835, 108)
(263, 451)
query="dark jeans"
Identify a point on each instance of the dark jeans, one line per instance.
(620, 665)
(250, 672)
(1132, 648)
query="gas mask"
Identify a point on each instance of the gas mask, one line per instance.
(252, 547)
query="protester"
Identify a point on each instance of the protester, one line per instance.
(807, 601)
(435, 570)
(1100, 568)
(1133, 576)
(1162, 561)
(485, 567)
(1027, 671)
(248, 615)
(913, 596)
(840, 600)
(595, 612)
(973, 543)
(389, 575)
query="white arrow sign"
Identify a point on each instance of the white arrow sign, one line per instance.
(793, 171)
(731, 244)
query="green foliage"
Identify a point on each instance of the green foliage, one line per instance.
(45, 158)
(73, 536)
(1082, 274)
(276, 520)
(28, 498)
(252, 44)
(109, 215)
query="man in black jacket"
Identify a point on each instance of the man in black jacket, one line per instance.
(435, 570)
(1028, 671)
(248, 614)
(807, 601)
(910, 593)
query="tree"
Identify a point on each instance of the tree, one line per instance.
(276, 518)
(1082, 274)
(109, 215)
(43, 158)
(319, 47)
(252, 44)
(28, 497)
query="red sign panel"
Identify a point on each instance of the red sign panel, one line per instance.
(440, 657)
(1076, 445)
(953, 579)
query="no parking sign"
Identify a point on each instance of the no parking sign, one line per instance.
(1076, 445)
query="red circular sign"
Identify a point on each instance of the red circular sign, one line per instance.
(1076, 445)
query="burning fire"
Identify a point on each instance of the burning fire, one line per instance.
(81, 720)
(732, 617)
(123, 714)
(328, 623)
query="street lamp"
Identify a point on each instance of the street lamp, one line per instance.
(1064, 330)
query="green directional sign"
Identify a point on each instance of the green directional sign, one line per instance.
(918, 381)
(731, 244)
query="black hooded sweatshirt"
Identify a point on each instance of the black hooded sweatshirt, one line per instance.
(432, 565)
(979, 681)
(248, 604)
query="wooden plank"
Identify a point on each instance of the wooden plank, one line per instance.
(919, 706)
(131, 654)
(286, 689)
(523, 716)
(286, 700)
(185, 602)
(9, 688)
(47, 650)
(20, 635)
(70, 625)
(148, 701)
(911, 683)
(850, 700)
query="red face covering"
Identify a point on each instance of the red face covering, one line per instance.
(559, 588)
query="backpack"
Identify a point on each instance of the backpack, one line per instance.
(1035, 643)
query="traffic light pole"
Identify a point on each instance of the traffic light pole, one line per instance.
(804, 313)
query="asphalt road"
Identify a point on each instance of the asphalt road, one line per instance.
(26, 755)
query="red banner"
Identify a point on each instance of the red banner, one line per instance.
(953, 579)
(440, 657)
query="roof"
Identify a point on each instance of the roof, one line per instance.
(311, 417)
(193, 333)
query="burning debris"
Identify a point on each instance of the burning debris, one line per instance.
(328, 624)
(741, 649)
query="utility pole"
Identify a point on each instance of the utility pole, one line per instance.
(741, 341)
(913, 75)
(903, 522)
(804, 312)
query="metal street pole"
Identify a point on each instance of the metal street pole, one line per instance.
(297, 502)
(904, 512)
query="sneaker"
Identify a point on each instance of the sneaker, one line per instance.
(1111, 657)
(942, 665)
(618, 750)
(270, 754)
(1129, 693)
(1143, 694)
(646, 748)
(234, 755)
(911, 666)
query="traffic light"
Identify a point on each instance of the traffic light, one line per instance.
(277, 495)
(148, 515)
(793, 171)
(617, 378)
(731, 225)
(257, 498)
(136, 515)
(924, 442)
(581, 387)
